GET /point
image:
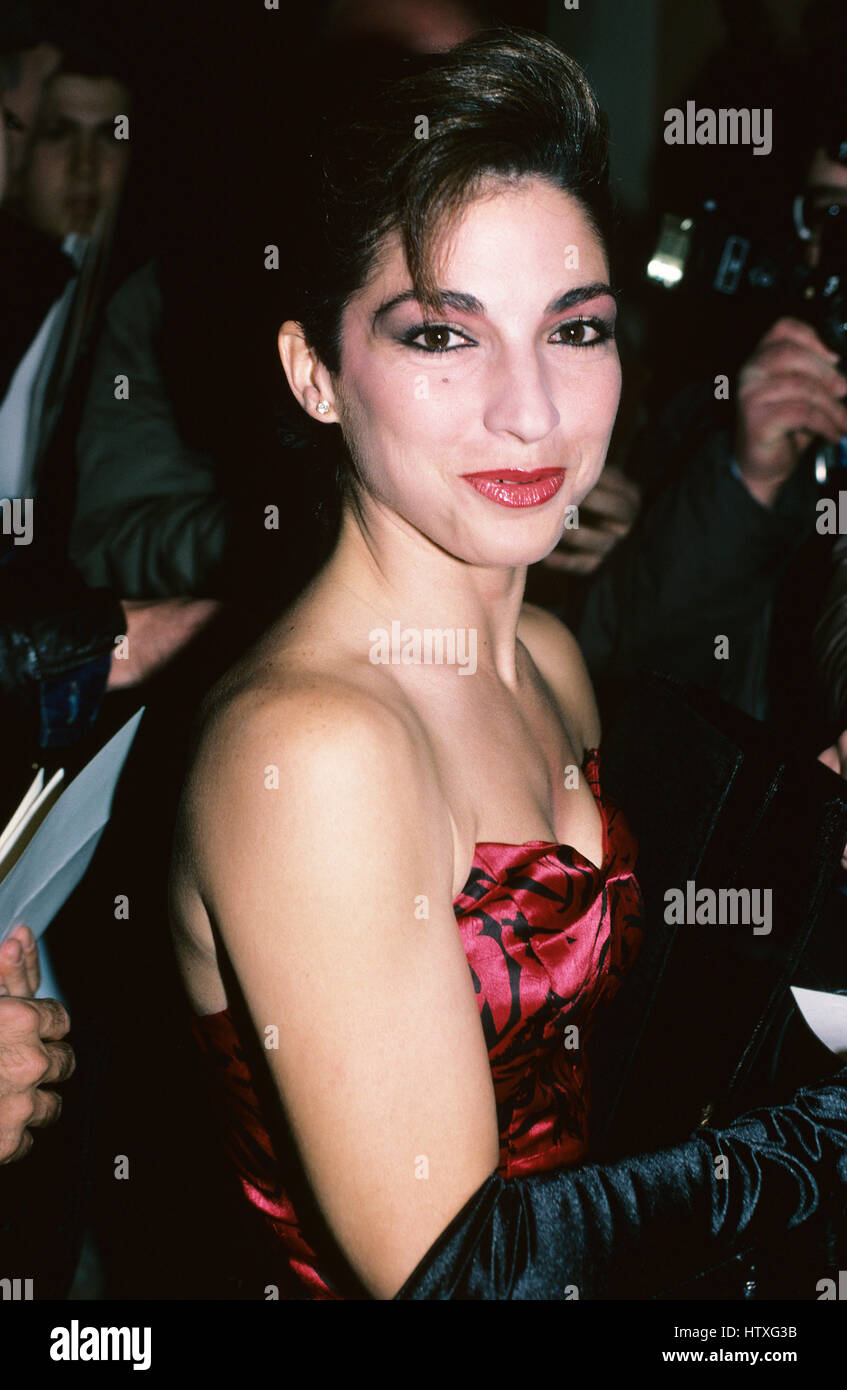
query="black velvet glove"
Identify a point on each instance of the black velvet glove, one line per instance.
(635, 1229)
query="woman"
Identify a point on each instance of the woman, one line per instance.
(410, 748)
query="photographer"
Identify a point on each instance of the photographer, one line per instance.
(830, 636)
(694, 589)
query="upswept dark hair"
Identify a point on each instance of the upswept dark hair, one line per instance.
(506, 102)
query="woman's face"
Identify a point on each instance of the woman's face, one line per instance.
(518, 379)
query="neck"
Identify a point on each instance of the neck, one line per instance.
(397, 575)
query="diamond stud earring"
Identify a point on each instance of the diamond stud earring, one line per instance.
(322, 407)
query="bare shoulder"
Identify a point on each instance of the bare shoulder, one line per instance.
(315, 718)
(557, 654)
(285, 763)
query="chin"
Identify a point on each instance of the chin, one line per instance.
(515, 552)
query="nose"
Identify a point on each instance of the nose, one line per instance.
(84, 157)
(520, 403)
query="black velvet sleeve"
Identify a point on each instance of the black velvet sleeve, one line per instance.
(636, 1228)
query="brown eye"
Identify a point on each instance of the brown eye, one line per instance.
(577, 333)
(583, 333)
(436, 338)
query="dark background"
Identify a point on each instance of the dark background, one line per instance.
(224, 96)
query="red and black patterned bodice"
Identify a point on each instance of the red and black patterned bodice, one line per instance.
(548, 937)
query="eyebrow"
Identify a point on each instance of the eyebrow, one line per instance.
(469, 304)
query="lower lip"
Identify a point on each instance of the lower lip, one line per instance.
(528, 494)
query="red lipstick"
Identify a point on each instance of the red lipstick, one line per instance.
(514, 487)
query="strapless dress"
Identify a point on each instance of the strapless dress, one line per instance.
(548, 938)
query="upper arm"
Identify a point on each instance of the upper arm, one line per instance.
(332, 894)
(556, 653)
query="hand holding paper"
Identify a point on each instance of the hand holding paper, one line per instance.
(32, 1055)
(20, 967)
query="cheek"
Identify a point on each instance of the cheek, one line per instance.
(113, 165)
(613, 396)
(439, 406)
(47, 170)
(418, 405)
(602, 398)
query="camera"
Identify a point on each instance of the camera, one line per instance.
(708, 252)
(805, 275)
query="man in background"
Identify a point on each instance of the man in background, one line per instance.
(64, 170)
(60, 178)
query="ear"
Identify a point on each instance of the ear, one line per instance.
(307, 376)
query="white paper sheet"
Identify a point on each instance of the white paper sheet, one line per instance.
(826, 1015)
(26, 821)
(59, 854)
(32, 795)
